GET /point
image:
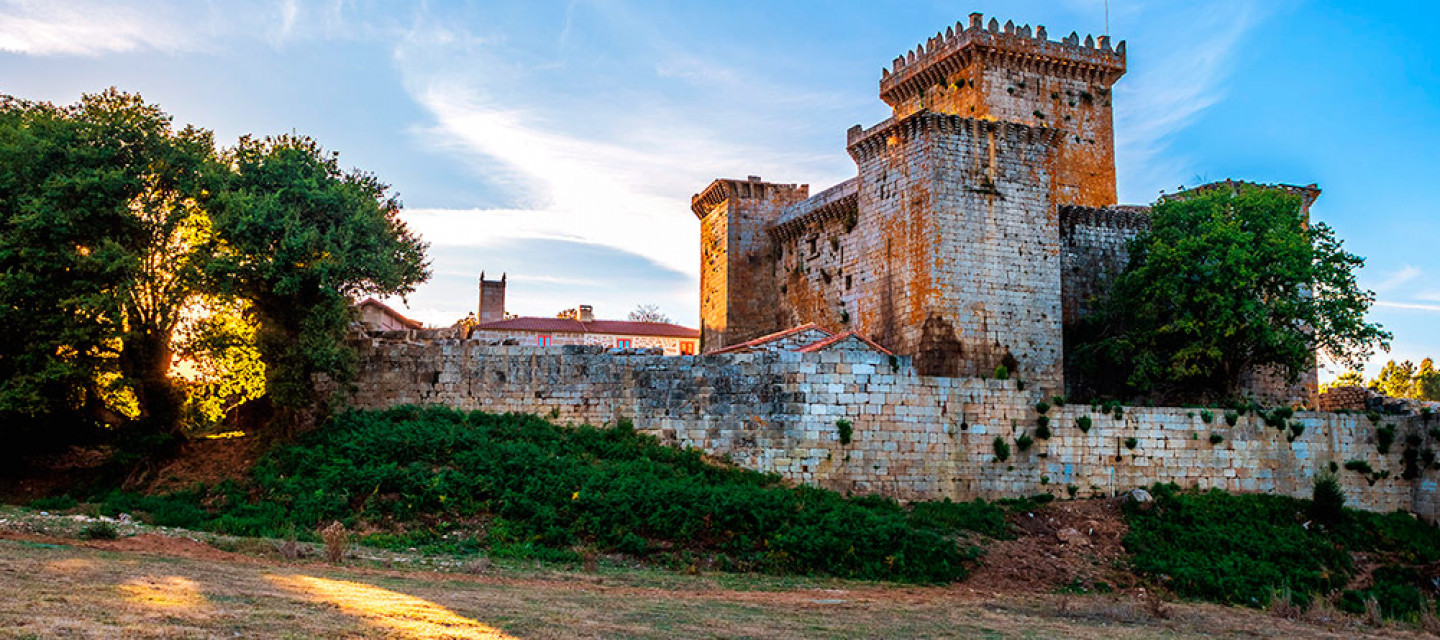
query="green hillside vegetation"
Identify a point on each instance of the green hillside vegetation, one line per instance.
(1243, 549)
(517, 485)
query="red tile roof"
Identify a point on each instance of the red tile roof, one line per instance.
(608, 327)
(768, 338)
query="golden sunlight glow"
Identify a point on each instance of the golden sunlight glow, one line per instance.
(406, 615)
(228, 435)
(172, 592)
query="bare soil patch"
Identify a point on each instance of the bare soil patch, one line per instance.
(1070, 545)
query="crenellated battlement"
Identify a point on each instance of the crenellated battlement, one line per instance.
(1117, 217)
(723, 189)
(939, 57)
(865, 143)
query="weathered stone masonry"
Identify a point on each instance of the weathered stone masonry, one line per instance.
(915, 437)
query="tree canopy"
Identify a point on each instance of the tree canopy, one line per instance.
(126, 242)
(648, 313)
(1227, 280)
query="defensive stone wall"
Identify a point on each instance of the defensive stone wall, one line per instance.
(914, 437)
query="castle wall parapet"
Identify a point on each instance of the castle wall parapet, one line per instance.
(913, 436)
(938, 57)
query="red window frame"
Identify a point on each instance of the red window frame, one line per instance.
(622, 343)
(687, 348)
(543, 341)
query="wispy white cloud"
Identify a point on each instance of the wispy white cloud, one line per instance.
(48, 28)
(1407, 305)
(1432, 295)
(1399, 278)
(1171, 83)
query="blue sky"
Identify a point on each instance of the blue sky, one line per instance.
(560, 141)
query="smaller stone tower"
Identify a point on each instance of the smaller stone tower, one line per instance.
(492, 300)
(738, 291)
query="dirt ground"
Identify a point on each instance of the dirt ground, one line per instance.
(157, 586)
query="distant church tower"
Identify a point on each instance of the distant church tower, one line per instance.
(492, 300)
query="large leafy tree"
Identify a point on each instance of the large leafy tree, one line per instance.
(1228, 280)
(101, 229)
(299, 239)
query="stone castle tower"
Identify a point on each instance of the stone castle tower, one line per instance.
(492, 300)
(981, 219)
(946, 244)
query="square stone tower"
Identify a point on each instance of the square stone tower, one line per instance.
(492, 300)
(1018, 75)
(738, 292)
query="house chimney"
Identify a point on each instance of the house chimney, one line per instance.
(587, 313)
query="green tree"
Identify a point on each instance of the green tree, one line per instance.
(300, 239)
(1396, 380)
(1427, 381)
(1227, 280)
(101, 224)
(1347, 379)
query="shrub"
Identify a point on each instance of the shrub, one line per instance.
(1073, 490)
(1131, 442)
(1002, 449)
(1042, 430)
(1059, 401)
(1230, 548)
(844, 430)
(1083, 422)
(1216, 438)
(1019, 385)
(1024, 442)
(1002, 372)
(1042, 408)
(1384, 437)
(1232, 418)
(1327, 500)
(541, 490)
(99, 530)
(1359, 466)
(337, 542)
(1207, 416)
(1118, 411)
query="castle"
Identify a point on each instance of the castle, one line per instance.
(981, 222)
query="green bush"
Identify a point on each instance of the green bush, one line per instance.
(1207, 416)
(1327, 504)
(844, 429)
(1384, 437)
(1216, 438)
(99, 530)
(1042, 408)
(1232, 418)
(1131, 442)
(1083, 423)
(1240, 548)
(1024, 442)
(1002, 449)
(1002, 372)
(521, 486)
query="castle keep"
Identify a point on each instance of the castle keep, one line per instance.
(980, 222)
(981, 219)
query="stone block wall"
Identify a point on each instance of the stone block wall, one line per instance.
(914, 437)
(960, 245)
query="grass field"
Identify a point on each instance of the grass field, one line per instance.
(150, 586)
